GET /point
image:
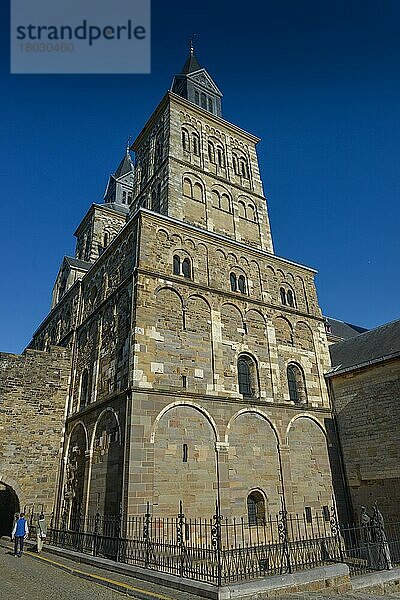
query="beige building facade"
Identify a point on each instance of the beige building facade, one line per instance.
(198, 355)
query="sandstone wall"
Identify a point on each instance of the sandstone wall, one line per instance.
(33, 394)
(367, 404)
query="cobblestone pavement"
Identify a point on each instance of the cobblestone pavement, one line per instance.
(37, 578)
(33, 577)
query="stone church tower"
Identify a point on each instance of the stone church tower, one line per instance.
(197, 353)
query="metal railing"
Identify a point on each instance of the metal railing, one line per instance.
(216, 550)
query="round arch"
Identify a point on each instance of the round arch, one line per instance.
(77, 424)
(260, 413)
(310, 418)
(103, 412)
(200, 409)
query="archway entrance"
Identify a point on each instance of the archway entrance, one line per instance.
(9, 505)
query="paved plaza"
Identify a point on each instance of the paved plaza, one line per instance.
(35, 577)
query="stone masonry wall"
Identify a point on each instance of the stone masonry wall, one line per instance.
(367, 404)
(33, 393)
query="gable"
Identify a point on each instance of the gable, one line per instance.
(203, 79)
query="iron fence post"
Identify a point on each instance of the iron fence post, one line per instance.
(283, 537)
(118, 531)
(64, 518)
(335, 529)
(51, 527)
(216, 540)
(146, 535)
(96, 533)
(180, 525)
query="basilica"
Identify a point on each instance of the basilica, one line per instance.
(181, 360)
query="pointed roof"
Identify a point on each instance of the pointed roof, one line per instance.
(191, 65)
(125, 166)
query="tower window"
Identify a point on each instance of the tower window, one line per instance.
(186, 268)
(283, 295)
(187, 188)
(197, 97)
(296, 384)
(242, 284)
(211, 152)
(203, 100)
(196, 144)
(177, 265)
(221, 158)
(256, 508)
(290, 298)
(235, 164)
(84, 395)
(182, 267)
(210, 105)
(185, 140)
(184, 453)
(244, 377)
(238, 283)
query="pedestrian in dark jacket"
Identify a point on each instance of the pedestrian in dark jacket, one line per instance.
(19, 534)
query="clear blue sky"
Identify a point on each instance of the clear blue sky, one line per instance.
(318, 81)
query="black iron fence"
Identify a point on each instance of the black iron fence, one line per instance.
(216, 550)
(220, 550)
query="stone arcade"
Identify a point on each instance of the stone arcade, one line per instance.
(197, 356)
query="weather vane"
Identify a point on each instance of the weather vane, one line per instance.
(192, 43)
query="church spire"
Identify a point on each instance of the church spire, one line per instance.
(196, 85)
(120, 184)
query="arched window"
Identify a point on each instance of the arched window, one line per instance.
(233, 282)
(283, 295)
(156, 198)
(225, 203)
(185, 140)
(241, 284)
(84, 396)
(186, 268)
(197, 98)
(105, 240)
(215, 199)
(187, 187)
(235, 164)
(221, 158)
(198, 192)
(211, 152)
(244, 377)
(244, 170)
(251, 213)
(247, 376)
(296, 384)
(210, 105)
(183, 267)
(203, 100)
(256, 508)
(177, 265)
(196, 144)
(290, 298)
(242, 210)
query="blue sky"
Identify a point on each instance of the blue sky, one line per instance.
(317, 81)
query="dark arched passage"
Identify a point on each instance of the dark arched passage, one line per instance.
(9, 506)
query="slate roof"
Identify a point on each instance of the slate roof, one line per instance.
(191, 65)
(372, 346)
(77, 263)
(344, 330)
(125, 166)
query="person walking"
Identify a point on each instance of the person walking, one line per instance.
(41, 532)
(19, 534)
